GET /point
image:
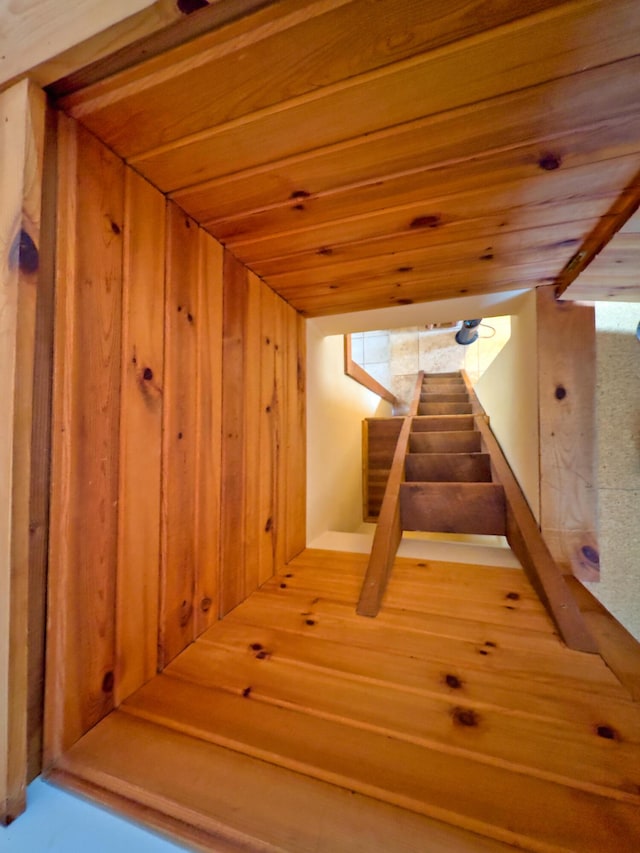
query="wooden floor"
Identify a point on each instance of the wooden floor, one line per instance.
(454, 721)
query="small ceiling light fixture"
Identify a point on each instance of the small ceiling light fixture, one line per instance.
(468, 333)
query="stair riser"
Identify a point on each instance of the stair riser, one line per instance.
(444, 398)
(445, 442)
(444, 409)
(448, 467)
(441, 388)
(439, 423)
(453, 508)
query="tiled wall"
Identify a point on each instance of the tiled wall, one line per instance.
(395, 356)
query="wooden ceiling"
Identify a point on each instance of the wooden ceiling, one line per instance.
(358, 154)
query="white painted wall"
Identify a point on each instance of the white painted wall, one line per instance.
(336, 407)
(618, 442)
(508, 391)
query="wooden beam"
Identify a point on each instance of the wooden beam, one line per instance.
(619, 649)
(529, 546)
(389, 528)
(620, 212)
(22, 130)
(34, 34)
(566, 382)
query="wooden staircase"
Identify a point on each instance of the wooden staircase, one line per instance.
(448, 484)
(448, 475)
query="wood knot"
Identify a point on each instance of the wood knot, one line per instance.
(310, 622)
(187, 7)
(453, 681)
(205, 605)
(246, 692)
(186, 609)
(561, 392)
(513, 596)
(607, 732)
(108, 682)
(256, 647)
(590, 554)
(24, 254)
(425, 222)
(263, 654)
(465, 717)
(147, 374)
(549, 162)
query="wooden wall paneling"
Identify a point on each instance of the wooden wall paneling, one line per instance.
(137, 587)
(267, 485)
(251, 389)
(422, 226)
(559, 196)
(281, 432)
(566, 382)
(22, 132)
(85, 450)
(499, 235)
(445, 284)
(549, 117)
(179, 448)
(41, 448)
(209, 416)
(296, 456)
(314, 38)
(501, 190)
(233, 477)
(515, 57)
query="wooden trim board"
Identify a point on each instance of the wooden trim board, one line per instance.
(22, 135)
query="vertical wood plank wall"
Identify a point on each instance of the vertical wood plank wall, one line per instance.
(178, 479)
(85, 436)
(22, 130)
(137, 581)
(263, 436)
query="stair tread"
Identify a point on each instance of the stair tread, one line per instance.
(448, 467)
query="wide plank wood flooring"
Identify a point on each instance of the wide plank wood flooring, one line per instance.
(454, 721)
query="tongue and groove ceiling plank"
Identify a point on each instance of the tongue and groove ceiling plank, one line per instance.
(311, 135)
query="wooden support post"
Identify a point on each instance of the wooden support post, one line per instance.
(566, 394)
(22, 128)
(389, 528)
